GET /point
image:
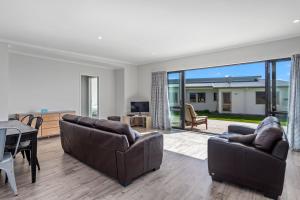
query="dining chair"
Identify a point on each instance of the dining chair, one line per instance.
(29, 119)
(26, 147)
(7, 159)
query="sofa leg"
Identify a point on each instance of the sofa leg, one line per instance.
(271, 195)
(154, 169)
(124, 183)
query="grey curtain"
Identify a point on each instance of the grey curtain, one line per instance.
(294, 105)
(159, 101)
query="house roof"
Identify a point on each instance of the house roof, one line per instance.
(229, 82)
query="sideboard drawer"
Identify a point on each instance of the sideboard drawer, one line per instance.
(50, 124)
(50, 117)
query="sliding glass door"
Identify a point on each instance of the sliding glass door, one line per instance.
(244, 93)
(176, 98)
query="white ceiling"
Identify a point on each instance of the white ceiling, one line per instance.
(145, 31)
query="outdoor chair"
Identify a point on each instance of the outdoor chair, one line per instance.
(191, 117)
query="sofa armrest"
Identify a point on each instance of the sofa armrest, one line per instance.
(144, 155)
(223, 147)
(245, 130)
(281, 150)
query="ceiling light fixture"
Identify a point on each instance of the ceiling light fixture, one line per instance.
(296, 21)
(100, 37)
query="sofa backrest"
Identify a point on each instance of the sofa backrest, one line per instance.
(189, 112)
(268, 133)
(116, 127)
(105, 125)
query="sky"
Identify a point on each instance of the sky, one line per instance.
(250, 69)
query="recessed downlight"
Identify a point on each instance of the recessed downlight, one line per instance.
(100, 37)
(296, 21)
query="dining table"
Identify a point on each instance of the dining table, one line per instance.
(28, 134)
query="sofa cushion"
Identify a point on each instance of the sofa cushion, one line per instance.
(244, 139)
(267, 136)
(86, 121)
(71, 118)
(116, 127)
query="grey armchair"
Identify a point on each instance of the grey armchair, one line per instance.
(7, 160)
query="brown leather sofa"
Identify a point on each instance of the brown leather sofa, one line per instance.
(111, 147)
(255, 158)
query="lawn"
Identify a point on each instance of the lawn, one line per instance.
(225, 117)
(256, 119)
(233, 117)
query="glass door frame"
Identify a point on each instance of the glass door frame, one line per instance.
(271, 87)
(182, 100)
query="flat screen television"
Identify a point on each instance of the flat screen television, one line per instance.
(139, 106)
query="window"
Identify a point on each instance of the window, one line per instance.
(260, 98)
(175, 97)
(192, 97)
(201, 97)
(215, 96)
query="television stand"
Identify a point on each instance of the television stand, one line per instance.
(143, 121)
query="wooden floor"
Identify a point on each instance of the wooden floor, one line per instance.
(180, 177)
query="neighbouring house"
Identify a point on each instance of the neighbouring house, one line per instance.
(238, 95)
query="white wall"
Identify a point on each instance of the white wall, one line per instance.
(130, 86)
(209, 104)
(243, 101)
(4, 88)
(282, 105)
(126, 89)
(271, 50)
(37, 83)
(119, 92)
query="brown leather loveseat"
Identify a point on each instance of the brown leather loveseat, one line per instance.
(111, 147)
(255, 158)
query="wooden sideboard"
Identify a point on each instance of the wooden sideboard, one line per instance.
(143, 121)
(50, 126)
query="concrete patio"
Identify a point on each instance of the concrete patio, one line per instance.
(218, 126)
